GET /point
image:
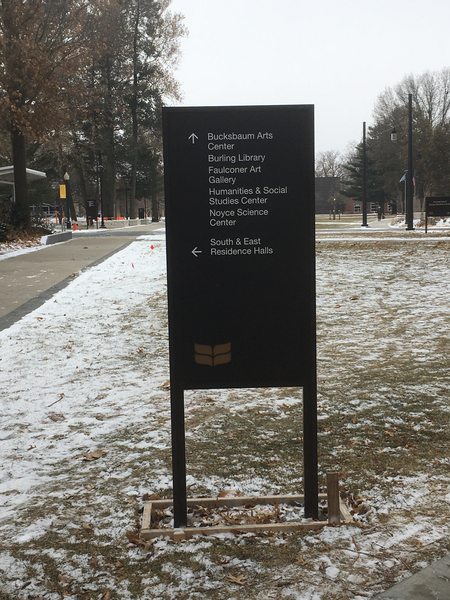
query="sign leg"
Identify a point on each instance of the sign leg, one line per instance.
(310, 450)
(178, 457)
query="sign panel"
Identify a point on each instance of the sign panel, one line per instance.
(437, 207)
(239, 187)
(92, 209)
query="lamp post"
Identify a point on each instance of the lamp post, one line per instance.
(66, 178)
(409, 173)
(364, 179)
(100, 170)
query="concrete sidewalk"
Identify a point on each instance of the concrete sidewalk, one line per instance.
(28, 280)
(432, 583)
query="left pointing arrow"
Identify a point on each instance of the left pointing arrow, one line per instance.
(196, 252)
(193, 137)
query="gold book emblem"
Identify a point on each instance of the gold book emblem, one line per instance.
(212, 355)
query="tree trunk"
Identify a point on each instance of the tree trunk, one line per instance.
(72, 211)
(107, 146)
(21, 208)
(155, 209)
(109, 174)
(134, 117)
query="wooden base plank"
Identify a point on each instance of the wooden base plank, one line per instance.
(189, 532)
(147, 533)
(233, 501)
(147, 516)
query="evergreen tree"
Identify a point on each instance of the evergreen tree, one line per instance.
(352, 180)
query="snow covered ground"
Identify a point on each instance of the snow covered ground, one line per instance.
(85, 436)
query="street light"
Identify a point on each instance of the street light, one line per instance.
(364, 179)
(100, 170)
(66, 178)
(409, 173)
(364, 172)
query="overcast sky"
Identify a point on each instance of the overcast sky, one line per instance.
(338, 56)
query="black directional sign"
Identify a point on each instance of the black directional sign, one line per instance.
(239, 192)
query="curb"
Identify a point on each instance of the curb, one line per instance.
(55, 238)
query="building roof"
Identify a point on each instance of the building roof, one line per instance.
(7, 175)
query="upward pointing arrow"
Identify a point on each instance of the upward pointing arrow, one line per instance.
(193, 137)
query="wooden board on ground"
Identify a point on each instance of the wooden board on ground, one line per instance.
(147, 533)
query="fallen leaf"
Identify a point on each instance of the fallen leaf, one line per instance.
(389, 432)
(165, 386)
(57, 417)
(239, 579)
(230, 494)
(147, 497)
(94, 455)
(133, 538)
(100, 396)
(87, 528)
(355, 420)
(63, 579)
(301, 561)
(354, 298)
(106, 595)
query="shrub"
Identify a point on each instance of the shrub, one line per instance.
(4, 230)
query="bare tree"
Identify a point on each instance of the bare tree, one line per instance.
(41, 45)
(431, 127)
(329, 164)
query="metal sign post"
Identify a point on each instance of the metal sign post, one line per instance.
(239, 192)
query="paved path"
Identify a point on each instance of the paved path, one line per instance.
(432, 583)
(28, 280)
